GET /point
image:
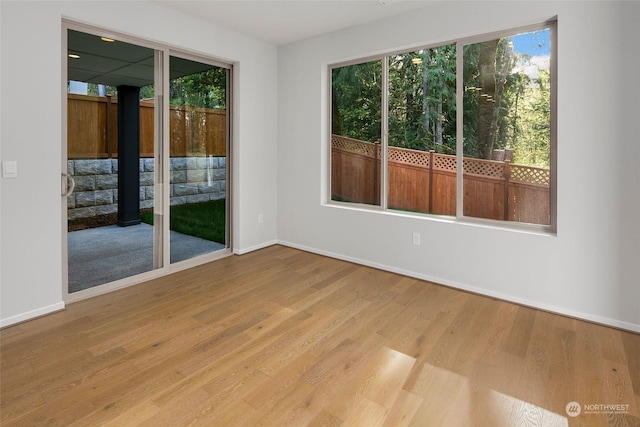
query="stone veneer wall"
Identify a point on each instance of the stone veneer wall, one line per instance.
(193, 180)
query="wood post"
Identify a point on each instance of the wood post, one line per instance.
(108, 126)
(431, 159)
(507, 177)
(376, 176)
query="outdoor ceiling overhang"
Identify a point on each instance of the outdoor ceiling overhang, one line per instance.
(116, 63)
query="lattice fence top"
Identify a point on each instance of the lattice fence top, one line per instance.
(445, 162)
(354, 145)
(478, 167)
(483, 167)
(530, 175)
(411, 157)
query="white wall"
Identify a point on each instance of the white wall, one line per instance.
(31, 96)
(590, 268)
(628, 148)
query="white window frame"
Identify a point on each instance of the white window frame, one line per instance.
(551, 228)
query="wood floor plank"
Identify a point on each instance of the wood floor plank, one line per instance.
(497, 333)
(437, 398)
(325, 327)
(518, 340)
(325, 419)
(276, 410)
(234, 374)
(468, 407)
(560, 389)
(533, 380)
(334, 383)
(417, 382)
(366, 413)
(377, 379)
(631, 345)
(590, 381)
(135, 415)
(403, 409)
(229, 398)
(192, 409)
(388, 374)
(68, 374)
(282, 337)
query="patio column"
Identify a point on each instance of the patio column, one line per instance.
(128, 155)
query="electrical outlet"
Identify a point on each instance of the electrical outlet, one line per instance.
(416, 239)
(260, 218)
(10, 169)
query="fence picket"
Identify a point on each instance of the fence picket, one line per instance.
(92, 129)
(493, 189)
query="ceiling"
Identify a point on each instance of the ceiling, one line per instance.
(283, 22)
(117, 63)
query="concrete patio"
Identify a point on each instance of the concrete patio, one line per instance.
(105, 254)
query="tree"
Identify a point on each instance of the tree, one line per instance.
(422, 100)
(487, 103)
(442, 73)
(502, 106)
(533, 138)
(206, 89)
(357, 101)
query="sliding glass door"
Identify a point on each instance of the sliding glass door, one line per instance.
(198, 129)
(145, 173)
(110, 159)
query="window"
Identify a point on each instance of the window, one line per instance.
(422, 130)
(356, 122)
(462, 129)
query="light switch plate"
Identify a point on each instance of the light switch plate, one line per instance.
(9, 169)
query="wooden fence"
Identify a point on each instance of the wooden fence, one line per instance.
(92, 129)
(426, 182)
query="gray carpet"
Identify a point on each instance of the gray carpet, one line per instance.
(105, 254)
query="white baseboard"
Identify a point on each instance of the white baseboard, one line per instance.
(481, 291)
(29, 315)
(243, 251)
(91, 292)
(438, 280)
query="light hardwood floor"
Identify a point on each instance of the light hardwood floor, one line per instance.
(281, 337)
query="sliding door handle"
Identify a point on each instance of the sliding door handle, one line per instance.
(68, 185)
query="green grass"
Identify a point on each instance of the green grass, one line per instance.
(205, 220)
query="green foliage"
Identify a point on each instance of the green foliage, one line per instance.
(503, 108)
(520, 112)
(205, 220)
(531, 142)
(357, 101)
(470, 100)
(206, 89)
(422, 99)
(146, 92)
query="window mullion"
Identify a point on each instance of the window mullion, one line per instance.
(384, 143)
(553, 118)
(459, 131)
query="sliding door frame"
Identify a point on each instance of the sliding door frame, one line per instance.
(183, 54)
(161, 206)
